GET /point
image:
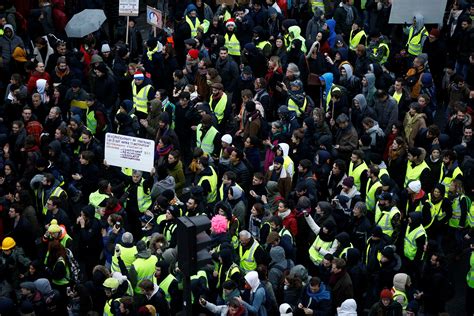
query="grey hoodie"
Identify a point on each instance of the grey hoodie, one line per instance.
(362, 101)
(370, 90)
(8, 45)
(278, 265)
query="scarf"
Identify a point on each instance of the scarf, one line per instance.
(61, 74)
(349, 15)
(163, 151)
(284, 214)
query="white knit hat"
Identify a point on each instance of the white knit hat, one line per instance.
(285, 310)
(415, 186)
(227, 139)
(105, 48)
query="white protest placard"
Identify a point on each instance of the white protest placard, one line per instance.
(154, 17)
(129, 152)
(129, 7)
(403, 11)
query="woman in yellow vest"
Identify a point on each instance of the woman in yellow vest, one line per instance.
(401, 283)
(192, 20)
(440, 212)
(283, 150)
(461, 205)
(470, 283)
(57, 263)
(324, 243)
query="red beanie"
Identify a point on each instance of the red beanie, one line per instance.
(194, 53)
(386, 293)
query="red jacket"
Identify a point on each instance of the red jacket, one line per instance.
(290, 223)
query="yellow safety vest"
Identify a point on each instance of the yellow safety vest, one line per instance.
(140, 99)
(470, 216)
(357, 172)
(446, 180)
(56, 192)
(232, 44)
(219, 108)
(145, 269)
(370, 191)
(206, 143)
(64, 240)
(193, 27)
(128, 257)
(355, 40)
(379, 254)
(168, 231)
(414, 173)
(397, 293)
(67, 277)
(470, 274)
(95, 199)
(143, 199)
(286, 232)
(329, 96)
(108, 307)
(165, 286)
(409, 247)
(436, 211)
(200, 274)
(314, 254)
(221, 191)
(414, 41)
(292, 106)
(230, 272)
(261, 45)
(455, 219)
(397, 96)
(384, 219)
(317, 4)
(247, 259)
(211, 196)
(343, 253)
(387, 52)
(383, 171)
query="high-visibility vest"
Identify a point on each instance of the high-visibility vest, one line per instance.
(414, 41)
(369, 245)
(387, 52)
(200, 274)
(344, 251)
(206, 143)
(193, 27)
(145, 269)
(370, 191)
(108, 306)
(168, 231)
(143, 199)
(211, 196)
(221, 191)
(247, 258)
(64, 241)
(436, 211)
(384, 219)
(354, 40)
(316, 4)
(261, 45)
(165, 286)
(383, 171)
(286, 232)
(232, 44)
(357, 172)
(455, 219)
(409, 246)
(470, 216)
(140, 99)
(67, 277)
(414, 173)
(292, 106)
(470, 274)
(234, 268)
(91, 122)
(57, 191)
(95, 199)
(127, 254)
(314, 254)
(329, 96)
(397, 293)
(445, 179)
(219, 108)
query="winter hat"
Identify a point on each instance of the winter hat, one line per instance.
(386, 196)
(388, 252)
(278, 159)
(127, 105)
(174, 211)
(19, 54)
(297, 83)
(285, 310)
(76, 119)
(105, 48)
(415, 186)
(151, 43)
(250, 106)
(272, 11)
(141, 245)
(377, 232)
(348, 182)
(227, 139)
(386, 293)
(75, 83)
(54, 227)
(342, 118)
(191, 7)
(28, 285)
(139, 76)
(236, 192)
(427, 79)
(102, 68)
(230, 22)
(435, 33)
(190, 41)
(147, 310)
(193, 53)
(89, 210)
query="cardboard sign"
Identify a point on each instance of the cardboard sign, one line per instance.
(154, 17)
(129, 7)
(129, 152)
(403, 11)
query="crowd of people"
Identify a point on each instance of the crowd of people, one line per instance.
(332, 152)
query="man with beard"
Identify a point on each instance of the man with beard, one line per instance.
(62, 75)
(277, 173)
(231, 41)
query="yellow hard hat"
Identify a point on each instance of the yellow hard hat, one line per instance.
(8, 243)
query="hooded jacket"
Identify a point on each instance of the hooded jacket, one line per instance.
(8, 45)
(315, 25)
(278, 266)
(295, 33)
(257, 295)
(357, 115)
(319, 302)
(348, 308)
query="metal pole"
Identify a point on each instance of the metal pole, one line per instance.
(126, 34)
(188, 307)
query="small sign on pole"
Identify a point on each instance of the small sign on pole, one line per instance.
(154, 17)
(129, 7)
(129, 152)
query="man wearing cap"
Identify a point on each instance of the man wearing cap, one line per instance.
(143, 92)
(207, 136)
(30, 295)
(219, 103)
(13, 262)
(231, 41)
(112, 304)
(106, 53)
(388, 216)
